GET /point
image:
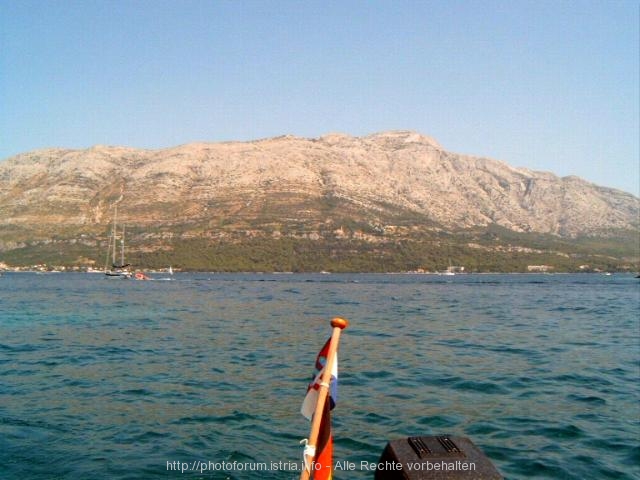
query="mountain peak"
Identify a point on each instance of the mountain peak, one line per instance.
(403, 136)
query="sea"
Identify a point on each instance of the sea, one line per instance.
(201, 375)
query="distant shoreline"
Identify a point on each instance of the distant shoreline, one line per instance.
(426, 274)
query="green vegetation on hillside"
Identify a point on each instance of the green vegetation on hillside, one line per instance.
(489, 250)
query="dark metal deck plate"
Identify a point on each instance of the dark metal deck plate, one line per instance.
(440, 457)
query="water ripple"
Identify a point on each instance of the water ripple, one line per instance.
(115, 379)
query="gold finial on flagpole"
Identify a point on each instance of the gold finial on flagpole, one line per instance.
(340, 323)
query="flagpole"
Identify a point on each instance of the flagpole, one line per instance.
(338, 325)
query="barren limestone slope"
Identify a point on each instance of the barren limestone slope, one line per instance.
(296, 178)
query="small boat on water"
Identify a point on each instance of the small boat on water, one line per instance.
(117, 269)
(450, 271)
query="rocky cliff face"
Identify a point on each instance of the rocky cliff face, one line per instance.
(308, 181)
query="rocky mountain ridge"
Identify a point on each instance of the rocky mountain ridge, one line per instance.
(385, 187)
(403, 170)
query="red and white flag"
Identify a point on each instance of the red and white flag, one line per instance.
(323, 452)
(311, 399)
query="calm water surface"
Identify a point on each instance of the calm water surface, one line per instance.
(120, 379)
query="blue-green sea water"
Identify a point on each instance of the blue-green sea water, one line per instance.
(117, 379)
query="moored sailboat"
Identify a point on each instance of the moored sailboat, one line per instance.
(116, 269)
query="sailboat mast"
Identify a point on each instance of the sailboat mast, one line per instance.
(122, 251)
(115, 216)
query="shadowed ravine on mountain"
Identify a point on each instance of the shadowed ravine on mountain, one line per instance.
(393, 201)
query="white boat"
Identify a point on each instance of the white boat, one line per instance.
(170, 270)
(116, 269)
(450, 270)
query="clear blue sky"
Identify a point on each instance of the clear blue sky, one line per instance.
(547, 85)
